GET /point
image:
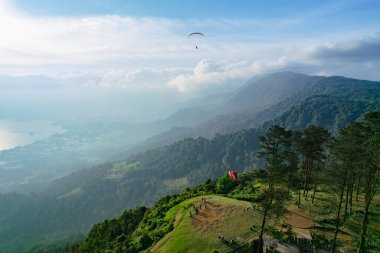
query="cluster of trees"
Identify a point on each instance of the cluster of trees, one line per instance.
(344, 164)
(327, 111)
(199, 158)
(105, 234)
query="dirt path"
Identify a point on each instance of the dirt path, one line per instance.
(301, 223)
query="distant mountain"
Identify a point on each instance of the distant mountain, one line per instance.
(270, 89)
(189, 117)
(346, 87)
(329, 112)
(278, 93)
(74, 203)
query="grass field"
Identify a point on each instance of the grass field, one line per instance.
(240, 221)
(199, 232)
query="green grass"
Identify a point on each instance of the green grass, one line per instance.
(186, 238)
(324, 210)
(70, 193)
(119, 169)
(234, 221)
(178, 183)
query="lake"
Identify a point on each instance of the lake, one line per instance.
(15, 133)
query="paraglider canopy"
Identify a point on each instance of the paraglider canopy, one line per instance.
(233, 175)
(196, 34)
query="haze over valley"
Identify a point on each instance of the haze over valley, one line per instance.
(121, 120)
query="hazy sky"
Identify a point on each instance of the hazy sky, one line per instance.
(143, 44)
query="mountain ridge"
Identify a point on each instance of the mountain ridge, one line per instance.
(226, 122)
(89, 196)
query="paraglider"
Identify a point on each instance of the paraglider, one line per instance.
(233, 175)
(196, 34)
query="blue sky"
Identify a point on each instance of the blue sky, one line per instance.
(172, 8)
(141, 44)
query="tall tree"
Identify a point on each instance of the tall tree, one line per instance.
(355, 157)
(274, 148)
(339, 184)
(311, 145)
(345, 158)
(371, 168)
(292, 156)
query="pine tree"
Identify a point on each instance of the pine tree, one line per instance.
(274, 148)
(312, 145)
(355, 158)
(371, 168)
(292, 156)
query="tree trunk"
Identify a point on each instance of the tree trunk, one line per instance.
(346, 204)
(291, 167)
(309, 173)
(261, 240)
(357, 189)
(299, 197)
(315, 184)
(361, 248)
(305, 181)
(337, 222)
(307, 191)
(307, 178)
(351, 193)
(312, 198)
(370, 190)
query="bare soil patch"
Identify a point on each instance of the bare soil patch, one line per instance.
(206, 215)
(300, 222)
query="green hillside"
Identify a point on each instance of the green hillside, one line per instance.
(172, 224)
(330, 112)
(217, 216)
(164, 225)
(304, 198)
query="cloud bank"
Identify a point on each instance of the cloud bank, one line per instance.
(358, 51)
(150, 53)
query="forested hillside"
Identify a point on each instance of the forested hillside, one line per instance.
(286, 92)
(330, 112)
(309, 168)
(72, 204)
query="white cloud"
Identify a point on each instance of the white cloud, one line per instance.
(138, 80)
(55, 44)
(206, 74)
(210, 73)
(155, 53)
(228, 74)
(84, 41)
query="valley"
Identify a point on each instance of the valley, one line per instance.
(73, 203)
